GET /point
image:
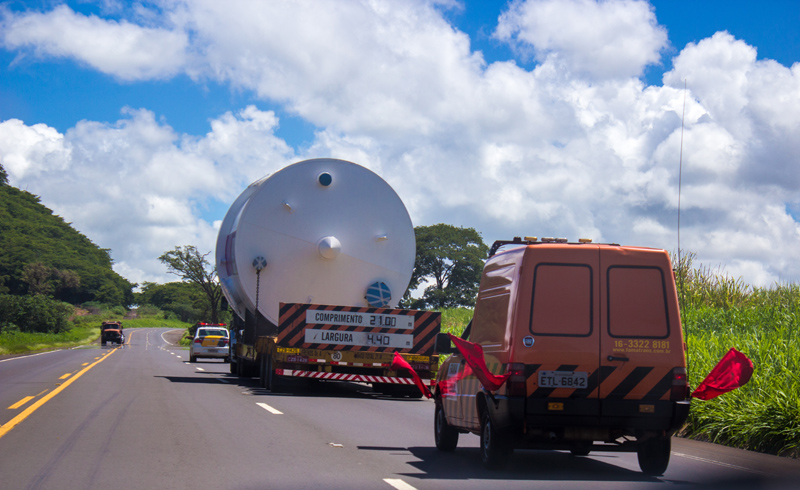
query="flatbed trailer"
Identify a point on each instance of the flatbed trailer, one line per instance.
(335, 343)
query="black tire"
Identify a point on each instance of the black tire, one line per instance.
(445, 435)
(495, 448)
(103, 342)
(233, 367)
(192, 359)
(263, 377)
(580, 450)
(653, 455)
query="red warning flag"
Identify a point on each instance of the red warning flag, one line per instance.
(731, 372)
(473, 354)
(399, 363)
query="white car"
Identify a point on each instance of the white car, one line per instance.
(210, 341)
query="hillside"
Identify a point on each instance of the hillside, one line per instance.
(30, 233)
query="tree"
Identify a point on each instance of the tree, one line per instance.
(450, 259)
(191, 266)
(38, 278)
(3, 176)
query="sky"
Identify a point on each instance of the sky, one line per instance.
(141, 122)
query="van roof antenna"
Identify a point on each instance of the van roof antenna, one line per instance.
(681, 273)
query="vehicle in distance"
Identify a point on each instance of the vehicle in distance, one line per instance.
(111, 332)
(210, 341)
(590, 339)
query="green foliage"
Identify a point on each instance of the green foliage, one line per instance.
(184, 300)
(192, 267)
(59, 260)
(720, 313)
(16, 342)
(33, 314)
(451, 260)
(3, 176)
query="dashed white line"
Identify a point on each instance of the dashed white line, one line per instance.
(199, 369)
(269, 409)
(398, 484)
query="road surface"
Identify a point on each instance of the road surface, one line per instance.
(142, 416)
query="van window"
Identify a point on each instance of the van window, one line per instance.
(489, 324)
(562, 300)
(637, 302)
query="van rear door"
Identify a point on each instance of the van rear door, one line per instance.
(641, 343)
(561, 349)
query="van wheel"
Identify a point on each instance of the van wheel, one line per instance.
(580, 450)
(446, 436)
(192, 359)
(495, 447)
(654, 455)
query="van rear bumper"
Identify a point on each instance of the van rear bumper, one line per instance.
(626, 415)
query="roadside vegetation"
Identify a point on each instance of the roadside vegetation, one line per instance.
(80, 327)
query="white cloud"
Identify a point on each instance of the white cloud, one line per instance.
(122, 49)
(137, 187)
(608, 39)
(577, 147)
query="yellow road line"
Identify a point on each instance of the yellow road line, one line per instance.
(21, 402)
(66, 376)
(28, 411)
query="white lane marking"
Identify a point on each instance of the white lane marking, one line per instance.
(32, 355)
(165, 340)
(720, 463)
(200, 369)
(269, 409)
(398, 484)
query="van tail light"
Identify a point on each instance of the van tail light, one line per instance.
(680, 386)
(516, 380)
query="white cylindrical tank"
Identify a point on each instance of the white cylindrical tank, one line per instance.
(320, 231)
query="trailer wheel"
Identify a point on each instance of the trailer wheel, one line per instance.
(653, 455)
(233, 366)
(445, 435)
(263, 374)
(495, 448)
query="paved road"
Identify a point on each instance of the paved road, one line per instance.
(140, 416)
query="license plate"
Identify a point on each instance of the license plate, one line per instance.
(563, 379)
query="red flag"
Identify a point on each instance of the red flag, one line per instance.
(398, 362)
(473, 354)
(731, 372)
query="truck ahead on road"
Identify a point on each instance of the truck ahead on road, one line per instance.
(313, 261)
(111, 332)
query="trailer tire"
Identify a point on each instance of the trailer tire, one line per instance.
(233, 367)
(263, 378)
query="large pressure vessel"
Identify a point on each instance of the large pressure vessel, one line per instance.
(320, 231)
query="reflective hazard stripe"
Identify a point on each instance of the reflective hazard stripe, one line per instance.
(363, 378)
(362, 364)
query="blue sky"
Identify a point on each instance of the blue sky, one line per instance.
(529, 118)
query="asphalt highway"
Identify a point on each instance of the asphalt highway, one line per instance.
(142, 416)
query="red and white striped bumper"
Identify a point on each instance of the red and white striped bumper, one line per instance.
(363, 378)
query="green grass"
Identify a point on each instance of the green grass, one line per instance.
(22, 342)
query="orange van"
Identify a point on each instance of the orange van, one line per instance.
(590, 339)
